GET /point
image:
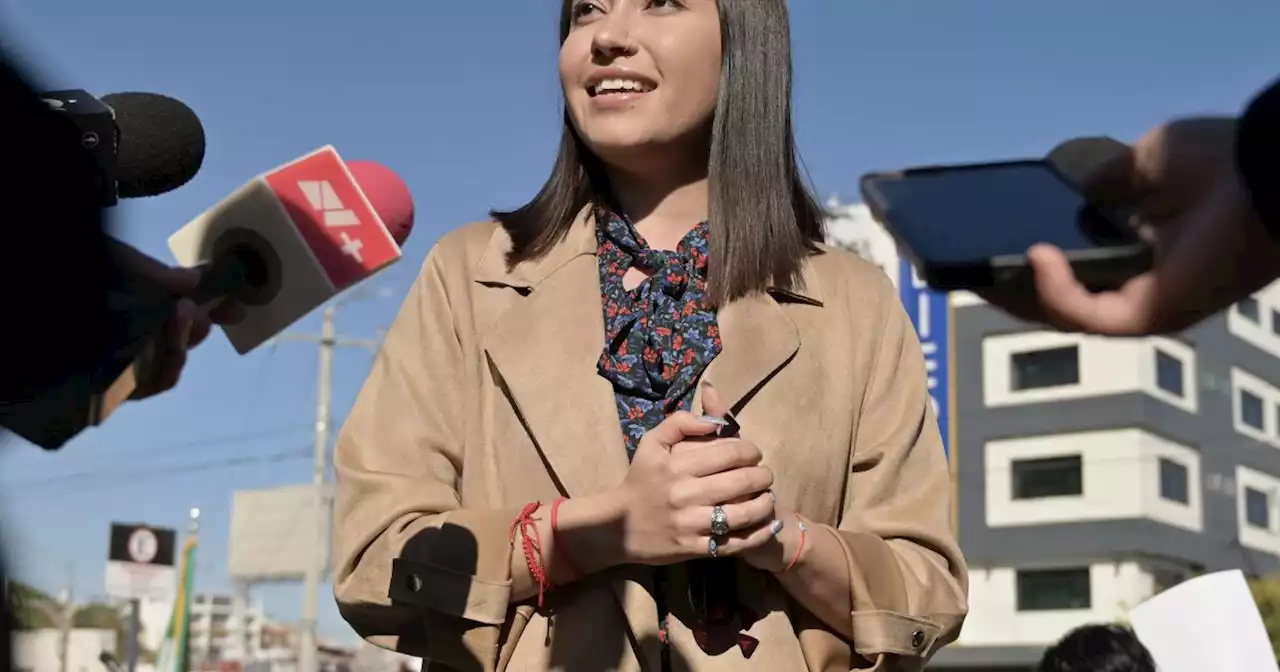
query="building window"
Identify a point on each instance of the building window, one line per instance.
(1251, 409)
(1048, 477)
(1257, 508)
(1053, 589)
(1275, 322)
(1038, 369)
(1174, 481)
(1249, 310)
(1169, 372)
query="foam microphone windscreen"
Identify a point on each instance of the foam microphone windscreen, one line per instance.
(388, 195)
(160, 143)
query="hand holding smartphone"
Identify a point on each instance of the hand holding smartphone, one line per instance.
(968, 227)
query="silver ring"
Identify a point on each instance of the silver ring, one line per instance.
(713, 547)
(719, 522)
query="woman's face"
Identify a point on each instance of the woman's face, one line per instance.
(640, 74)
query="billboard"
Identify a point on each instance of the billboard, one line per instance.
(277, 533)
(930, 312)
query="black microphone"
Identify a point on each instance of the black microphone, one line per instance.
(144, 144)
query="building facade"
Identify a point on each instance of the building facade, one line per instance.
(1093, 472)
(224, 627)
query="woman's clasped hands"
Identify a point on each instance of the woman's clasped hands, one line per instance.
(690, 495)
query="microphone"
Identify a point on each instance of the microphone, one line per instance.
(144, 144)
(294, 237)
(280, 245)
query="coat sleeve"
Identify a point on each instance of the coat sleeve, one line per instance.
(908, 578)
(414, 571)
(1258, 154)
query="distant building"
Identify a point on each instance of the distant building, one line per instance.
(369, 658)
(224, 629)
(1094, 472)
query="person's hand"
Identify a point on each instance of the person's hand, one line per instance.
(779, 545)
(1211, 250)
(668, 496)
(186, 328)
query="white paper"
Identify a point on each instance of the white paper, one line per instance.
(1207, 623)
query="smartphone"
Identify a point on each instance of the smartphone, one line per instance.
(968, 227)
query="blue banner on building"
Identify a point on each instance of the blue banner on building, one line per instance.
(931, 314)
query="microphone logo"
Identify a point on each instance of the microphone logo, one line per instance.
(324, 200)
(333, 217)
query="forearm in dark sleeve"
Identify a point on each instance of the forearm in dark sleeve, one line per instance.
(53, 257)
(1258, 155)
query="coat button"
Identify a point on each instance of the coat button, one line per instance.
(917, 639)
(415, 583)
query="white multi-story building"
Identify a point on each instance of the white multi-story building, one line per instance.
(225, 628)
(1092, 472)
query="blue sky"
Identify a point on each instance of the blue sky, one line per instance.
(461, 99)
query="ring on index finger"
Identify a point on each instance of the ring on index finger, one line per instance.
(719, 522)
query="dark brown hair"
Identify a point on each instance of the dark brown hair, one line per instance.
(764, 218)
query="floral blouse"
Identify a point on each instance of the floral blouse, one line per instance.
(660, 337)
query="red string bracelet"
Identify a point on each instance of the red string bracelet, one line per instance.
(531, 540)
(555, 537)
(799, 549)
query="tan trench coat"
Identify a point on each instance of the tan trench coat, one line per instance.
(485, 397)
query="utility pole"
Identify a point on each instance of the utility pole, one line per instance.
(134, 631)
(327, 340)
(67, 613)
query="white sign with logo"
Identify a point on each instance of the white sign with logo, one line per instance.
(140, 563)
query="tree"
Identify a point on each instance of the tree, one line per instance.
(1266, 593)
(98, 616)
(107, 617)
(32, 609)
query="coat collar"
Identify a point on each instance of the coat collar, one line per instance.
(579, 241)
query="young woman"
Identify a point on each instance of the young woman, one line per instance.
(530, 479)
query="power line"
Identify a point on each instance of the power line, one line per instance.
(264, 375)
(217, 440)
(114, 454)
(100, 480)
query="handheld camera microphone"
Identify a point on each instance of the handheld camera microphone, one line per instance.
(144, 144)
(280, 246)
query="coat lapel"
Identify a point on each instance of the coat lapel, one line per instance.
(759, 339)
(545, 348)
